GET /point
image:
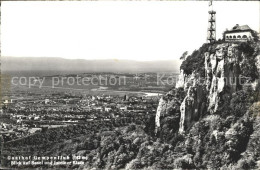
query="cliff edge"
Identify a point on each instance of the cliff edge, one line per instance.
(215, 103)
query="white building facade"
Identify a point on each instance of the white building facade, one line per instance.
(238, 33)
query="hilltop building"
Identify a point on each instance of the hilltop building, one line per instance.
(239, 33)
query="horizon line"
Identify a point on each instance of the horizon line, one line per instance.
(99, 59)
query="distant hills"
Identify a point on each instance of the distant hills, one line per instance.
(54, 64)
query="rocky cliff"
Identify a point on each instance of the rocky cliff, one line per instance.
(220, 70)
(220, 84)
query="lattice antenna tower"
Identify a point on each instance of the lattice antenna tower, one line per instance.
(211, 34)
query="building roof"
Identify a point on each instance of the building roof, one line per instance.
(238, 28)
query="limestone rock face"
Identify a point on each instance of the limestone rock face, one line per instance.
(216, 74)
(207, 90)
(181, 80)
(258, 63)
(220, 81)
(193, 106)
(185, 81)
(159, 111)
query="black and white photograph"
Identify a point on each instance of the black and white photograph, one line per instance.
(129, 84)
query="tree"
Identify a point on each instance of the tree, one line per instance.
(255, 35)
(183, 57)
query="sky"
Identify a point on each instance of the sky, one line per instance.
(123, 30)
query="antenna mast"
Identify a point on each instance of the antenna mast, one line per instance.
(211, 34)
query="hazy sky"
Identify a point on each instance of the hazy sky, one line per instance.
(155, 30)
